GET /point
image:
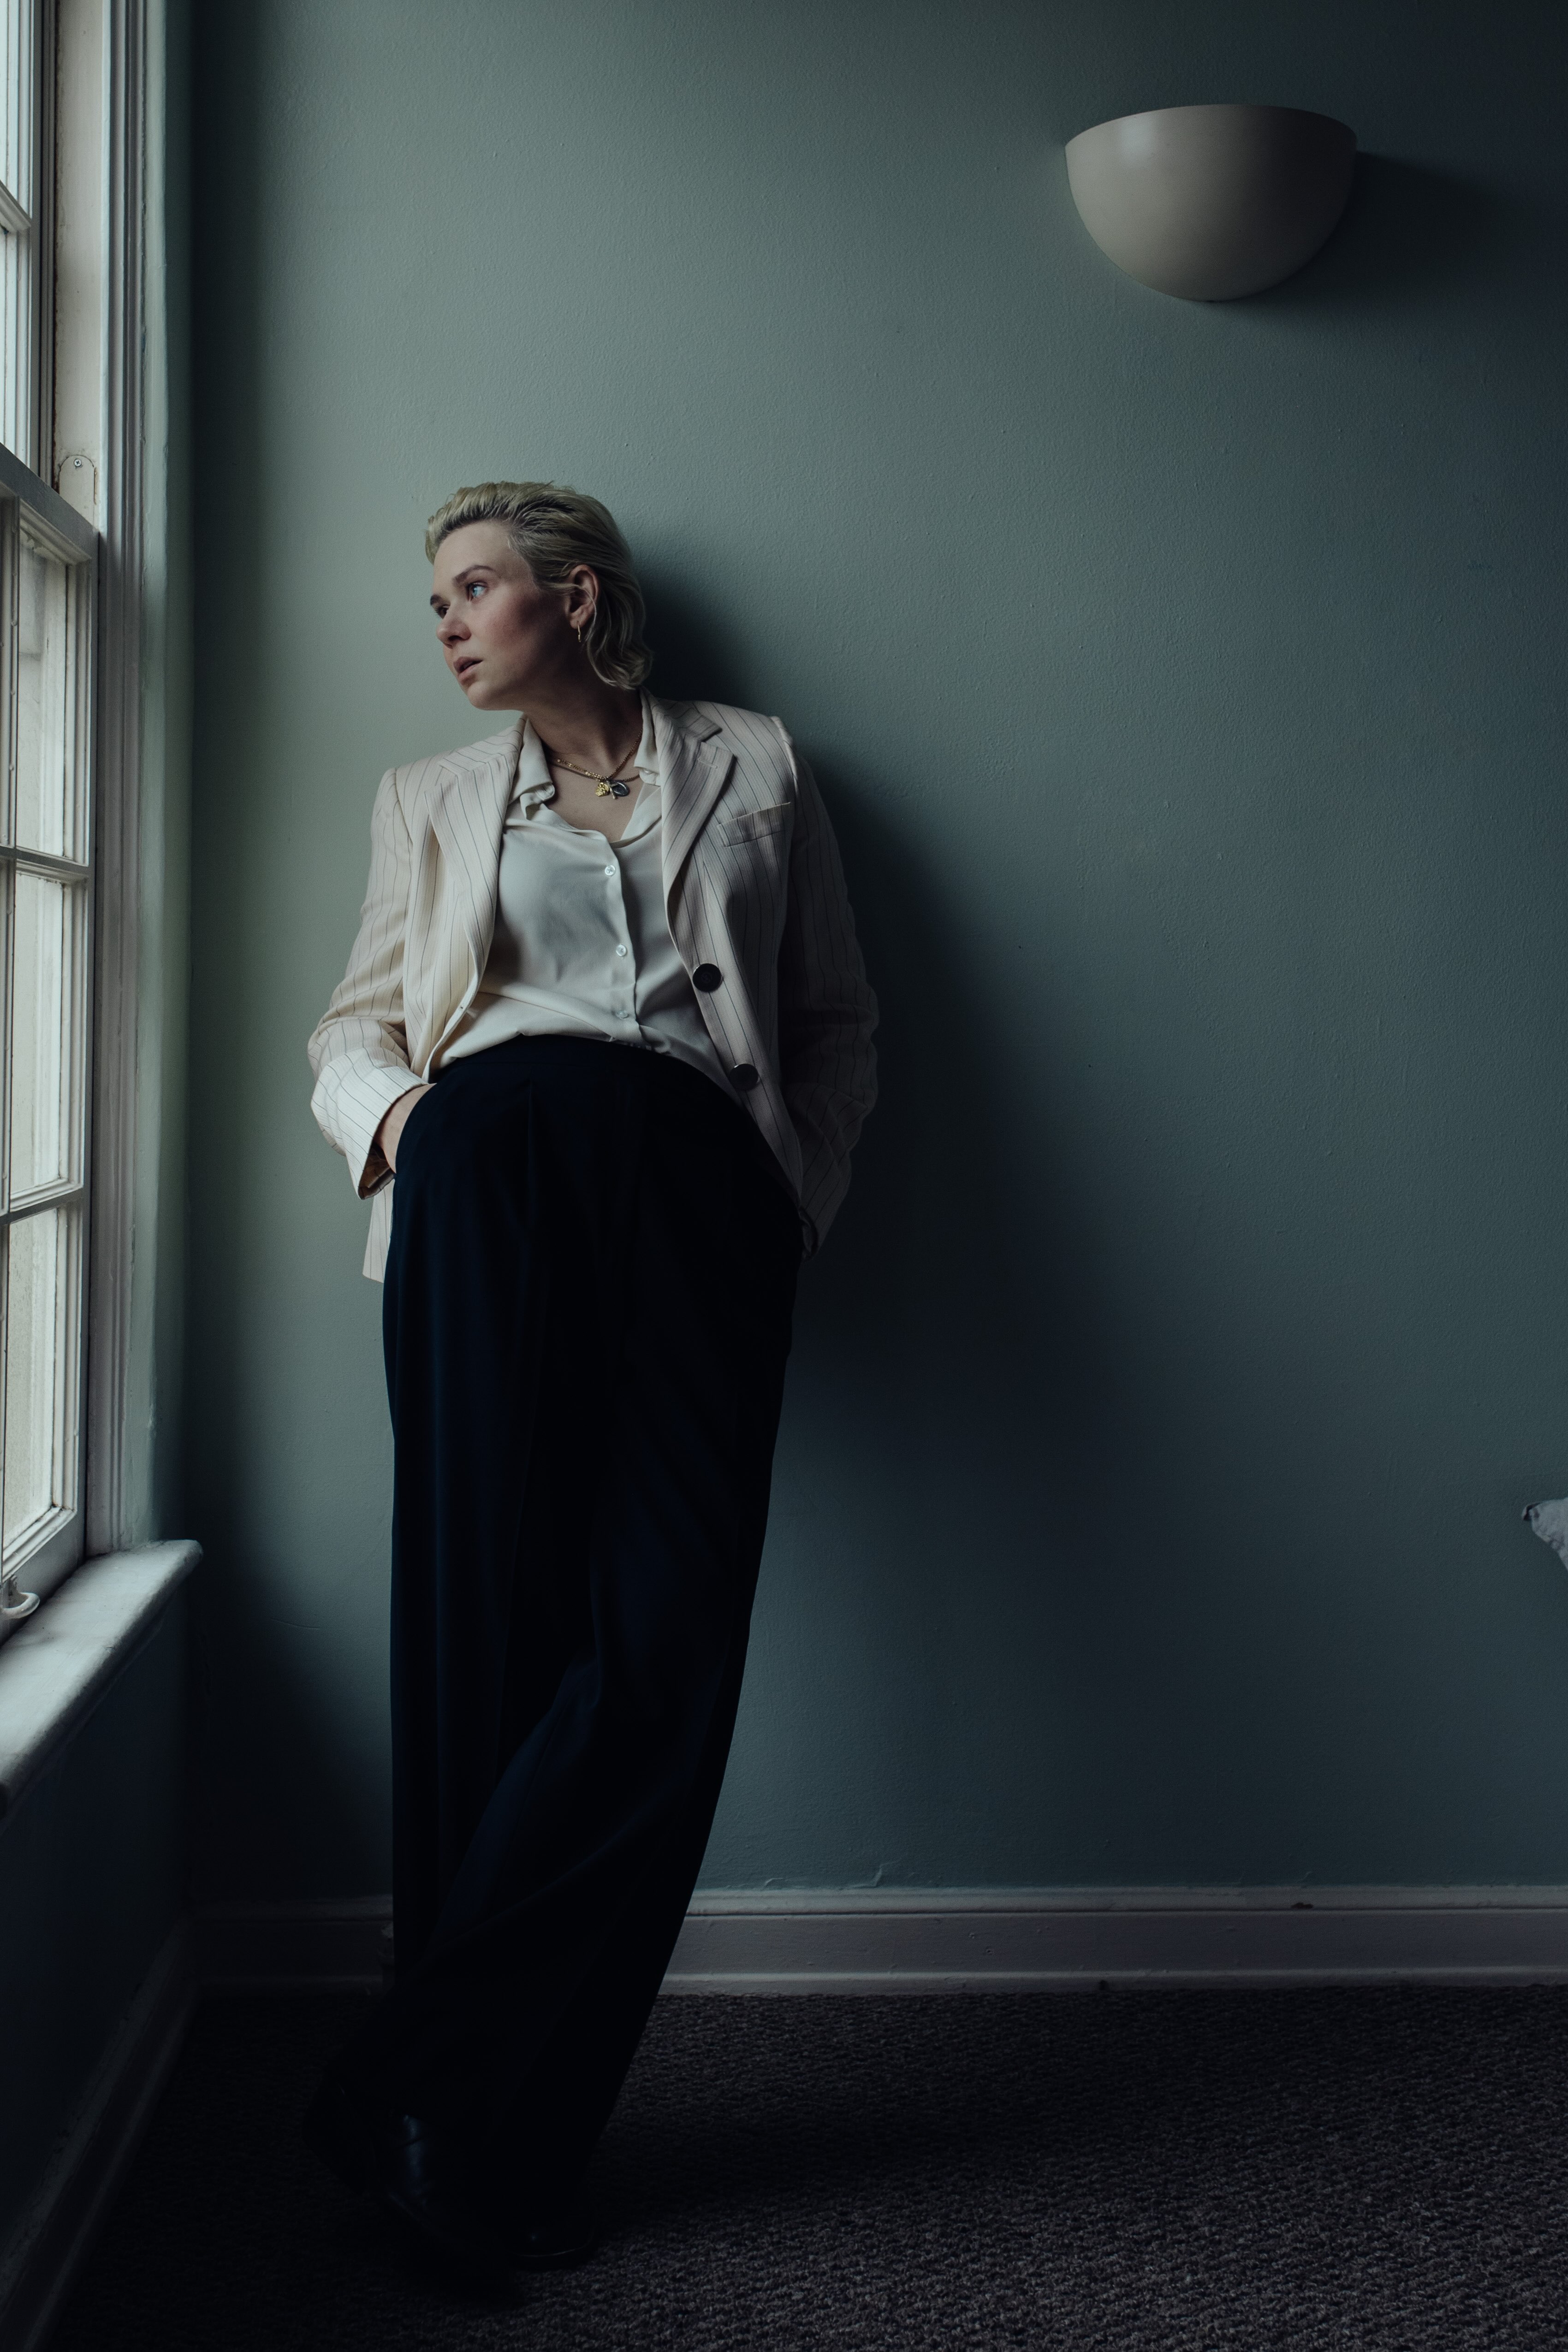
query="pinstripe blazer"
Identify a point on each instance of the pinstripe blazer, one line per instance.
(752, 883)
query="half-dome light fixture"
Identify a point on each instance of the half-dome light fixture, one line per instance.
(1212, 201)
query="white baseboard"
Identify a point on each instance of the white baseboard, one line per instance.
(46, 2252)
(923, 1940)
(875, 1941)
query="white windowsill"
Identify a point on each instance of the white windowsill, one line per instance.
(58, 1660)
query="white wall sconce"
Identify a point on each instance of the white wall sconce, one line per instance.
(1212, 201)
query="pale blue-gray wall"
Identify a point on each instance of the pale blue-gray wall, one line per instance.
(1186, 685)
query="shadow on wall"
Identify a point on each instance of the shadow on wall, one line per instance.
(968, 1500)
(967, 1315)
(1409, 235)
(973, 1255)
(698, 653)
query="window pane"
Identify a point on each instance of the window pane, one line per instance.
(39, 1390)
(17, 343)
(48, 921)
(17, 121)
(17, 110)
(47, 651)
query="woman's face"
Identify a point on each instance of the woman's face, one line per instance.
(503, 635)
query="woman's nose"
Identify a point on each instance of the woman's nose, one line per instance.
(451, 628)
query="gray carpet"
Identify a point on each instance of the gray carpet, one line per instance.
(1175, 2172)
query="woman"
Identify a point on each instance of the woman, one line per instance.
(606, 1023)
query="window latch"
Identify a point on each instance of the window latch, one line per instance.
(14, 1602)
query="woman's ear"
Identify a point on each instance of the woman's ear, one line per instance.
(583, 595)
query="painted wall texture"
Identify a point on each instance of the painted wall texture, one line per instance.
(1186, 685)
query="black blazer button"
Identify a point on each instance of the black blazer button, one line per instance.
(707, 977)
(744, 1077)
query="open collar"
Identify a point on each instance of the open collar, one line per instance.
(693, 762)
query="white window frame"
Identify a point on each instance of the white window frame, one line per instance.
(56, 1546)
(117, 1483)
(36, 226)
(91, 415)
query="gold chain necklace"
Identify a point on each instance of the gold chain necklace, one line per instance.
(605, 783)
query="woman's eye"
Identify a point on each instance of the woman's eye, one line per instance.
(475, 588)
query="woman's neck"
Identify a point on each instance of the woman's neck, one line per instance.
(598, 726)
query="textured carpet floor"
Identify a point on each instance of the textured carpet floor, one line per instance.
(1174, 2172)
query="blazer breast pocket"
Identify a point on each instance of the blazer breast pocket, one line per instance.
(752, 824)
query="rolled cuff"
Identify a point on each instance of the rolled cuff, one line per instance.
(352, 1097)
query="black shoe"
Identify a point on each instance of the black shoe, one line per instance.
(551, 2237)
(413, 2176)
(420, 2185)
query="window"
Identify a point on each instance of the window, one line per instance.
(25, 220)
(46, 583)
(48, 604)
(84, 696)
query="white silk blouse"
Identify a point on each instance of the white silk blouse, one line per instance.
(581, 945)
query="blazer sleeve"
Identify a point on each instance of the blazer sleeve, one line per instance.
(827, 1065)
(359, 1049)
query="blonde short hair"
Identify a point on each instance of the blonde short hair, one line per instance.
(555, 529)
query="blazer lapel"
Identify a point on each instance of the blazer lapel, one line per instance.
(694, 766)
(468, 817)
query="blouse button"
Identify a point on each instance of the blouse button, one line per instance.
(620, 951)
(611, 872)
(707, 977)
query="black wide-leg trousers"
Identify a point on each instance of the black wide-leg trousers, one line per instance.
(587, 1315)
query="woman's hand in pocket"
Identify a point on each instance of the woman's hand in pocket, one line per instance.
(396, 1119)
